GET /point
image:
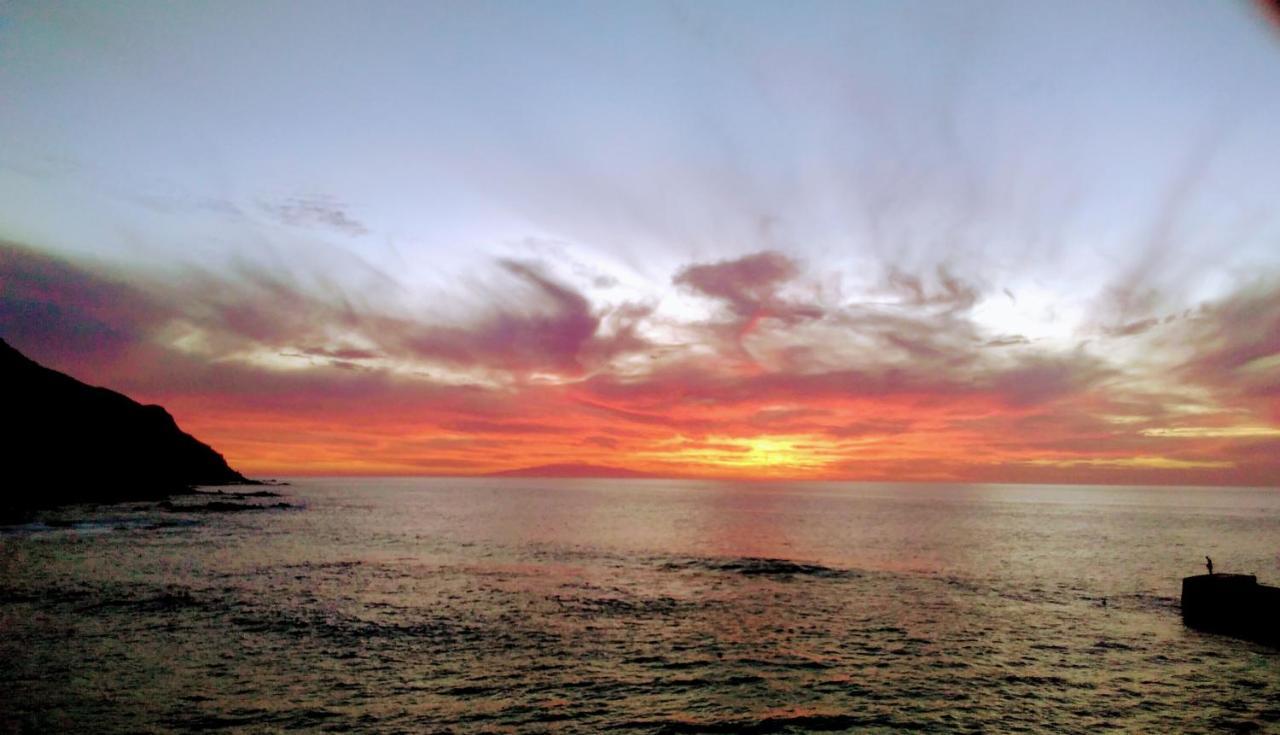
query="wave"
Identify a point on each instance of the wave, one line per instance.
(755, 566)
(776, 724)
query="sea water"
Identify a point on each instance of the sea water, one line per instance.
(636, 606)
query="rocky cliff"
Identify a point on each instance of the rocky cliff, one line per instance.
(65, 441)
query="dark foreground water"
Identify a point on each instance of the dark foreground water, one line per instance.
(637, 607)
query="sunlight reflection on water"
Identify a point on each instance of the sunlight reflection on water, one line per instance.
(641, 605)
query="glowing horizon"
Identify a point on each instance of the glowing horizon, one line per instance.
(1004, 243)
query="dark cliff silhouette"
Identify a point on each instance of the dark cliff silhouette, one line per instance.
(67, 442)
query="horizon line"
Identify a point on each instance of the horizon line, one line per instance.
(704, 478)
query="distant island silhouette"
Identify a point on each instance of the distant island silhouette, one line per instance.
(70, 442)
(570, 470)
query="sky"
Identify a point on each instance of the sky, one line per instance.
(884, 241)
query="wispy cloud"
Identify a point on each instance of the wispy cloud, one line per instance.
(315, 211)
(528, 370)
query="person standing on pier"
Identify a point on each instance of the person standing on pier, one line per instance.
(1209, 563)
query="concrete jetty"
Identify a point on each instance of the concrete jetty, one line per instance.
(1233, 604)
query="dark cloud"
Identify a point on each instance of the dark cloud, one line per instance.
(324, 212)
(749, 287)
(549, 332)
(58, 310)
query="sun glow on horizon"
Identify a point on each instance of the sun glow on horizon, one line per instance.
(823, 241)
(778, 454)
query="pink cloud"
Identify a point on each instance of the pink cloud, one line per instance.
(873, 390)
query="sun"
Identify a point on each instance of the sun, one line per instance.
(766, 455)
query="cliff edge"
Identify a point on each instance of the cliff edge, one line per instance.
(68, 442)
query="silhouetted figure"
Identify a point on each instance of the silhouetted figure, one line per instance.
(1209, 563)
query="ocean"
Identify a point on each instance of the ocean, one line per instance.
(636, 606)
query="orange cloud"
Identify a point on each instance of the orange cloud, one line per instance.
(288, 378)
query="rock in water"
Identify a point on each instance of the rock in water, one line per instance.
(71, 442)
(1234, 604)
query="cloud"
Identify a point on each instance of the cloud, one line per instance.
(951, 292)
(474, 426)
(286, 369)
(870, 427)
(1007, 340)
(342, 353)
(526, 321)
(1044, 378)
(315, 211)
(1131, 329)
(606, 442)
(59, 309)
(750, 290)
(1235, 347)
(748, 286)
(552, 328)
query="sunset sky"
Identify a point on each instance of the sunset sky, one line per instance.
(978, 241)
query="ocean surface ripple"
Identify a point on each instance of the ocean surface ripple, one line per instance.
(513, 606)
